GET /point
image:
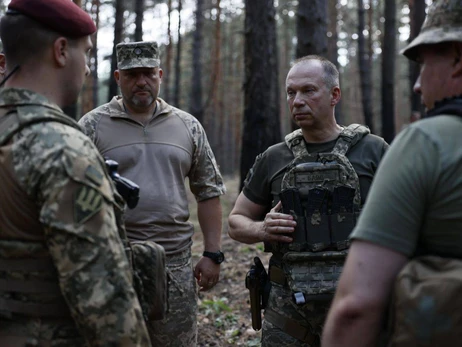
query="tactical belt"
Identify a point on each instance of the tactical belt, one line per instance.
(290, 326)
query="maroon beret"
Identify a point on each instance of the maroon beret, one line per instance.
(62, 16)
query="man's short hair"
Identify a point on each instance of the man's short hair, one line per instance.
(331, 74)
(24, 38)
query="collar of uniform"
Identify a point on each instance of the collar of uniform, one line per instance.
(19, 96)
(116, 109)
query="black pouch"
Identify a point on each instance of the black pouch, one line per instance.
(342, 224)
(317, 232)
(317, 221)
(343, 217)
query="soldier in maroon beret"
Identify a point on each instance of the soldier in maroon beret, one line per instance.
(65, 279)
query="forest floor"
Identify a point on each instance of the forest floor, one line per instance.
(224, 312)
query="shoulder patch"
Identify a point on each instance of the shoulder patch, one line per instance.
(87, 202)
(94, 175)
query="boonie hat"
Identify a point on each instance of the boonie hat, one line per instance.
(442, 24)
(133, 55)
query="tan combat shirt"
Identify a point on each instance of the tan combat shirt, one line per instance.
(158, 156)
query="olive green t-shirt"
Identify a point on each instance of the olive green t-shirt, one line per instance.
(415, 202)
(263, 183)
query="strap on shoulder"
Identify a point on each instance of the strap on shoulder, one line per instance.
(350, 136)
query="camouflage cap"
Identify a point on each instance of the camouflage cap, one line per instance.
(132, 55)
(442, 24)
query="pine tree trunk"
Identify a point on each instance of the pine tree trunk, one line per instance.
(261, 88)
(388, 71)
(364, 70)
(177, 89)
(417, 17)
(196, 106)
(139, 11)
(118, 32)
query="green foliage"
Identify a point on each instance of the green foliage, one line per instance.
(215, 306)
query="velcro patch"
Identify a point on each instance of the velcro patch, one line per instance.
(94, 175)
(87, 202)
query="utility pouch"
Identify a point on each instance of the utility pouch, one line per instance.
(313, 274)
(291, 204)
(149, 268)
(317, 221)
(343, 217)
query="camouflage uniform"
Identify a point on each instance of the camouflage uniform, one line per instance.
(65, 278)
(159, 156)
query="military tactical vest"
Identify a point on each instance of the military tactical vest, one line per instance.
(321, 191)
(147, 258)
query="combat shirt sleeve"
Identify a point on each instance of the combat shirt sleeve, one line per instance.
(76, 208)
(395, 207)
(205, 180)
(88, 123)
(256, 185)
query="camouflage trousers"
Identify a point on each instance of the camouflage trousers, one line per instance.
(19, 332)
(179, 327)
(310, 315)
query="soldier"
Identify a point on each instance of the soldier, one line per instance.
(414, 208)
(159, 146)
(64, 276)
(322, 173)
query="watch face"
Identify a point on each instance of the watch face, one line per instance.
(220, 257)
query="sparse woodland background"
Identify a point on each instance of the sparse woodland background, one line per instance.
(225, 61)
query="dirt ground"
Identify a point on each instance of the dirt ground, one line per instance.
(224, 312)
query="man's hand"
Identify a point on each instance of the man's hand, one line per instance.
(207, 273)
(277, 226)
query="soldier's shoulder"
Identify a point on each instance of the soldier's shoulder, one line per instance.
(372, 140)
(96, 114)
(277, 149)
(52, 137)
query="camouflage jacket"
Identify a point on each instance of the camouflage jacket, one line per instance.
(58, 203)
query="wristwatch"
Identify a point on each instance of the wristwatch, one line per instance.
(217, 257)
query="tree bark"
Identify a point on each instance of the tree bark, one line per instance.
(332, 49)
(71, 110)
(261, 89)
(118, 32)
(417, 17)
(166, 77)
(196, 105)
(139, 11)
(364, 70)
(388, 71)
(311, 28)
(177, 89)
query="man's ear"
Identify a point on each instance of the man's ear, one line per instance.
(160, 74)
(457, 65)
(336, 94)
(117, 76)
(61, 51)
